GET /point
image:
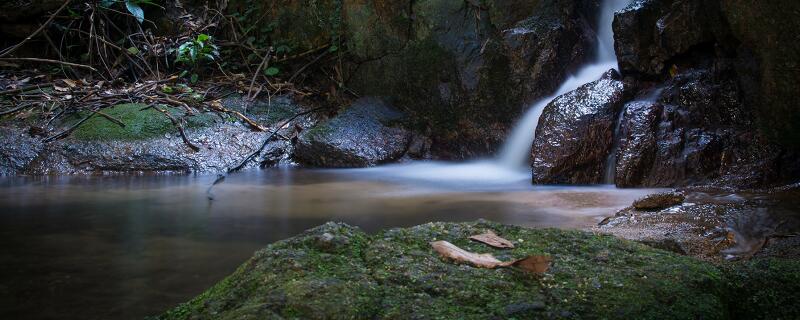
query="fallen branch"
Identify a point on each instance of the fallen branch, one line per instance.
(51, 61)
(68, 131)
(179, 126)
(255, 154)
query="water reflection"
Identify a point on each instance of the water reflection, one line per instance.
(125, 247)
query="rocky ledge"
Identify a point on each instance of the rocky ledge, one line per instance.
(336, 271)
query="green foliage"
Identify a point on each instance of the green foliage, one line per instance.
(133, 6)
(271, 71)
(194, 51)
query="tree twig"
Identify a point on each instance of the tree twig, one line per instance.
(50, 61)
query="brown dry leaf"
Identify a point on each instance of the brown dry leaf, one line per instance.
(70, 83)
(533, 264)
(492, 239)
(452, 252)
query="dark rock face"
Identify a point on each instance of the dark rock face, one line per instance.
(659, 201)
(462, 70)
(575, 133)
(720, 89)
(649, 33)
(360, 136)
(696, 132)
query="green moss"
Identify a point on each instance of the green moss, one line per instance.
(319, 131)
(764, 289)
(338, 272)
(139, 124)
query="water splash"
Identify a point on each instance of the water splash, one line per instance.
(516, 149)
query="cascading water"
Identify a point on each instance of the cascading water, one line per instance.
(517, 147)
(510, 167)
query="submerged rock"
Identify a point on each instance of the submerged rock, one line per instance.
(395, 274)
(365, 134)
(575, 133)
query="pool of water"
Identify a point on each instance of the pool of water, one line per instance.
(125, 247)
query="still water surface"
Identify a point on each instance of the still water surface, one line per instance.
(127, 247)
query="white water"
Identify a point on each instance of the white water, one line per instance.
(510, 168)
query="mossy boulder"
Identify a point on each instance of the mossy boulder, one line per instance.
(336, 271)
(139, 123)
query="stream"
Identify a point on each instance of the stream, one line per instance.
(125, 247)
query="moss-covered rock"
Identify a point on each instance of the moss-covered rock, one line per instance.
(338, 272)
(140, 123)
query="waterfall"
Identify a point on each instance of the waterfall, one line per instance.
(516, 149)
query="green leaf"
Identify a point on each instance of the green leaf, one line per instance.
(107, 3)
(194, 78)
(167, 89)
(203, 37)
(272, 71)
(133, 50)
(333, 48)
(135, 10)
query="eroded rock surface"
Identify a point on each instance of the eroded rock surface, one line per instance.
(575, 133)
(365, 134)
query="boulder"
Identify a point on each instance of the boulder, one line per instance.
(149, 142)
(365, 134)
(575, 133)
(658, 201)
(696, 131)
(395, 274)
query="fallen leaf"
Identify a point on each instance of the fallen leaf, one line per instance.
(492, 239)
(60, 89)
(533, 264)
(70, 83)
(452, 252)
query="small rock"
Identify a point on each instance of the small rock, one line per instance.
(659, 201)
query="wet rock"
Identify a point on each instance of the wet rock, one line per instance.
(365, 134)
(394, 274)
(659, 201)
(724, 91)
(575, 133)
(697, 131)
(17, 150)
(147, 143)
